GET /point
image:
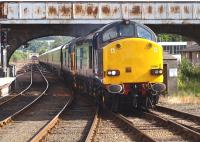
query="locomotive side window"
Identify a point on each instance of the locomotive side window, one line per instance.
(85, 59)
(90, 57)
(110, 34)
(143, 33)
(81, 58)
(126, 30)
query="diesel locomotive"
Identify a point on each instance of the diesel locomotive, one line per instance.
(120, 64)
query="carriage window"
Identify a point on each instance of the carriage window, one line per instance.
(78, 58)
(110, 34)
(143, 33)
(126, 30)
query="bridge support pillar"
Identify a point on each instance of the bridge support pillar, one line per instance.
(5, 67)
(1, 56)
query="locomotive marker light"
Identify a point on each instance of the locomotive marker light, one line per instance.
(149, 45)
(118, 46)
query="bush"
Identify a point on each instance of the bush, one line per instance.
(18, 56)
(189, 78)
(189, 72)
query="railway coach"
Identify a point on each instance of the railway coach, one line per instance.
(120, 64)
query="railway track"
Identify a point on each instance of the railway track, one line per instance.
(10, 106)
(15, 104)
(108, 126)
(188, 120)
(27, 125)
(160, 129)
(18, 103)
(25, 70)
(73, 124)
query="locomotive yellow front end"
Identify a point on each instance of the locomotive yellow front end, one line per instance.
(133, 67)
(132, 60)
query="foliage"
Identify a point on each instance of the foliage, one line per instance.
(189, 78)
(171, 38)
(190, 87)
(38, 46)
(42, 45)
(188, 71)
(60, 40)
(19, 55)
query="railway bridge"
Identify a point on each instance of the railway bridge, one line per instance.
(24, 21)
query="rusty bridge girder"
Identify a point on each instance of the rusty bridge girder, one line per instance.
(66, 12)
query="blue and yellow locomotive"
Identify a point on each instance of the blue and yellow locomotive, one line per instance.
(120, 64)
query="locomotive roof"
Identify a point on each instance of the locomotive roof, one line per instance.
(98, 30)
(90, 35)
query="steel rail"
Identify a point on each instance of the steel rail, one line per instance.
(187, 133)
(31, 82)
(191, 116)
(179, 114)
(50, 124)
(9, 119)
(15, 79)
(142, 135)
(20, 74)
(92, 131)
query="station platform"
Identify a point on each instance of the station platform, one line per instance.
(5, 85)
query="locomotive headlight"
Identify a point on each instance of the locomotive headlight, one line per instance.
(156, 71)
(113, 72)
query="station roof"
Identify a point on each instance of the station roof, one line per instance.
(191, 48)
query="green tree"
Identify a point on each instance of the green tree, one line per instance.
(18, 55)
(171, 38)
(35, 45)
(59, 40)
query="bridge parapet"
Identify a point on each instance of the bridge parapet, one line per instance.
(150, 12)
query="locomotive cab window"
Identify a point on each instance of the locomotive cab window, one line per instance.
(126, 30)
(143, 33)
(118, 31)
(110, 34)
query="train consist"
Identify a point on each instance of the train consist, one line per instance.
(120, 64)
